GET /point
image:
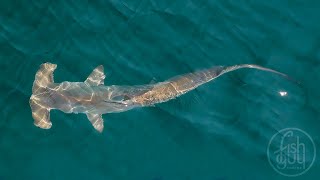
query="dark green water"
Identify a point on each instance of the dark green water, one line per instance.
(219, 131)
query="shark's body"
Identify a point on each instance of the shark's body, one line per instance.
(93, 98)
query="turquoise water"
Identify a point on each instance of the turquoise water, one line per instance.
(219, 131)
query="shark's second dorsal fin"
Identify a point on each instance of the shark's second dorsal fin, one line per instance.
(96, 78)
(96, 121)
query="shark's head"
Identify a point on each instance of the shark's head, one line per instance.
(40, 111)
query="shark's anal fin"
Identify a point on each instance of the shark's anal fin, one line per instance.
(96, 78)
(96, 121)
(40, 114)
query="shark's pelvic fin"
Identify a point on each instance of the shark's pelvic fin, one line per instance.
(41, 113)
(96, 121)
(96, 78)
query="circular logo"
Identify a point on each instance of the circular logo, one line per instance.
(291, 152)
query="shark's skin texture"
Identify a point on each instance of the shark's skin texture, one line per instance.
(93, 98)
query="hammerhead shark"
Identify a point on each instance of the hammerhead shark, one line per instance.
(94, 99)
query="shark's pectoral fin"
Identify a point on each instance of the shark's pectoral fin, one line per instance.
(96, 121)
(40, 114)
(96, 78)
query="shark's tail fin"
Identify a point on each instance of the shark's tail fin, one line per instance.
(182, 84)
(227, 69)
(41, 113)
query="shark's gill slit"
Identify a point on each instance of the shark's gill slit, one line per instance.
(94, 99)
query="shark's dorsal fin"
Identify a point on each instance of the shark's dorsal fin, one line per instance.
(96, 77)
(96, 121)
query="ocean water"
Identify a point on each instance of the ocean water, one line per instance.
(219, 131)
